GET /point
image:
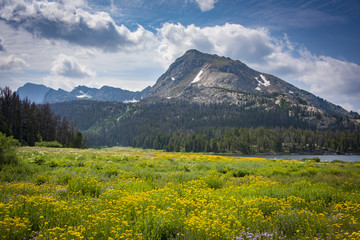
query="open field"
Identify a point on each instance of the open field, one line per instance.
(124, 193)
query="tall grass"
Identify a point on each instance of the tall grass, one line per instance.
(134, 194)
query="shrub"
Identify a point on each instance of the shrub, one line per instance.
(315, 159)
(38, 159)
(54, 144)
(214, 181)
(337, 161)
(240, 173)
(7, 150)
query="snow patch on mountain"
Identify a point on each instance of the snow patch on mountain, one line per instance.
(83, 95)
(131, 101)
(264, 82)
(198, 77)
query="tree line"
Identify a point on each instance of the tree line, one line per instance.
(31, 123)
(254, 141)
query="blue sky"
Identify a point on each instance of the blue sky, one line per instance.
(314, 45)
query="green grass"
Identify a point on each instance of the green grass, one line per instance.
(125, 193)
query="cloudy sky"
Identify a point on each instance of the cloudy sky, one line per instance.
(314, 45)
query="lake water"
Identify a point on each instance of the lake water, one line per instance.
(323, 158)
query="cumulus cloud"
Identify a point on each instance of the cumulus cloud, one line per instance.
(70, 67)
(231, 40)
(206, 5)
(67, 20)
(331, 75)
(323, 75)
(12, 63)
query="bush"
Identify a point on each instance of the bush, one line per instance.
(337, 161)
(54, 144)
(240, 173)
(213, 181)
(38, 159)
(7, 150)
(315, 159)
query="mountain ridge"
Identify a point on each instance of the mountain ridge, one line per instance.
(40, 94)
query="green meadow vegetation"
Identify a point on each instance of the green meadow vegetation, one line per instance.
(125, 193)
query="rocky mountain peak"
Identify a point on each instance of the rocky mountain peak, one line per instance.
(205, 78)
(200, 71)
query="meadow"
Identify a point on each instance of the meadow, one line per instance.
(124, 193)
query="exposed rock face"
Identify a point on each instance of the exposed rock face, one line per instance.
(206, 78)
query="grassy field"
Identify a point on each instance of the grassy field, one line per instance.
(123, 193)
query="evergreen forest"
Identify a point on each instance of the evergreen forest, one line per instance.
(30, 123)
(220, 128)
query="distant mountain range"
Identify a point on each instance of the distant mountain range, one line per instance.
(42, 94)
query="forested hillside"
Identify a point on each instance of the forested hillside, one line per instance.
(85, 113)
(30, 123)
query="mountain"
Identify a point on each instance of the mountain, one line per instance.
(42, 94)
(209, 103)
(205, 78)
(34, 92)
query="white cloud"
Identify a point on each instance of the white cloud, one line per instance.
(70, 67)
(206, 5)
(333, 76)
(70, 21)
(326, 76)
(12, 63)
(231, 40)
(175, 39)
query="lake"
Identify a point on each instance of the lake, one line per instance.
(323, 158)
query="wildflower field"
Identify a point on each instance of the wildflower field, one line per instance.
(124, 193)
